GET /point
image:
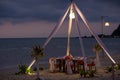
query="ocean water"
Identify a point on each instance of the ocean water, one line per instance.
(15, 51)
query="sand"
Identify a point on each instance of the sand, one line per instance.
(9, 73)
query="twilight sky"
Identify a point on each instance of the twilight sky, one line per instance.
(37, 18)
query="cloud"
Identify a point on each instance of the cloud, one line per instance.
(19, 11)
(34, 18)
(111, 2)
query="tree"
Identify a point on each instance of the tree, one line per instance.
(97, 49)
(37, 53)
(116, 32)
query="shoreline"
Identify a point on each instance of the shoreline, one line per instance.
(8, 73)
(116, 57)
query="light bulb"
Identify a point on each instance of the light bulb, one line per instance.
(107, 24)
(72, 15)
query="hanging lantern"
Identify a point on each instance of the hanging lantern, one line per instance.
(72, 15)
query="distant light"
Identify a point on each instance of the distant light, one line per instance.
(72, 15)
(107, 24)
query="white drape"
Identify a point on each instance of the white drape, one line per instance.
(93, 33)
(80, 39)
(56, 28)
(69, 31)
(53, 32)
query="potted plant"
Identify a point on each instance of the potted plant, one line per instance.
(37, 53)
(97, 49)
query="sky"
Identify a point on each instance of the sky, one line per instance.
(37, 18)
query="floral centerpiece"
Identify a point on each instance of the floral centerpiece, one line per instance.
(68, 57)
(80, 62)
(91, 64)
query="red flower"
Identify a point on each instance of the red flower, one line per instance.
(80, 62)
(92, 64)
(88, 64)
(68, 57)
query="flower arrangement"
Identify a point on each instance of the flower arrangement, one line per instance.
(80, 62)
(68, 57)
(91, 64)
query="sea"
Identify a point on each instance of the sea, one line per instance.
(16, 51)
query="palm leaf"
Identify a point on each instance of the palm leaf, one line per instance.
(97, 48)
(37, 52)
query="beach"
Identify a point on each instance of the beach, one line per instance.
(30, 51)
(9, 73)
(18, 52)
